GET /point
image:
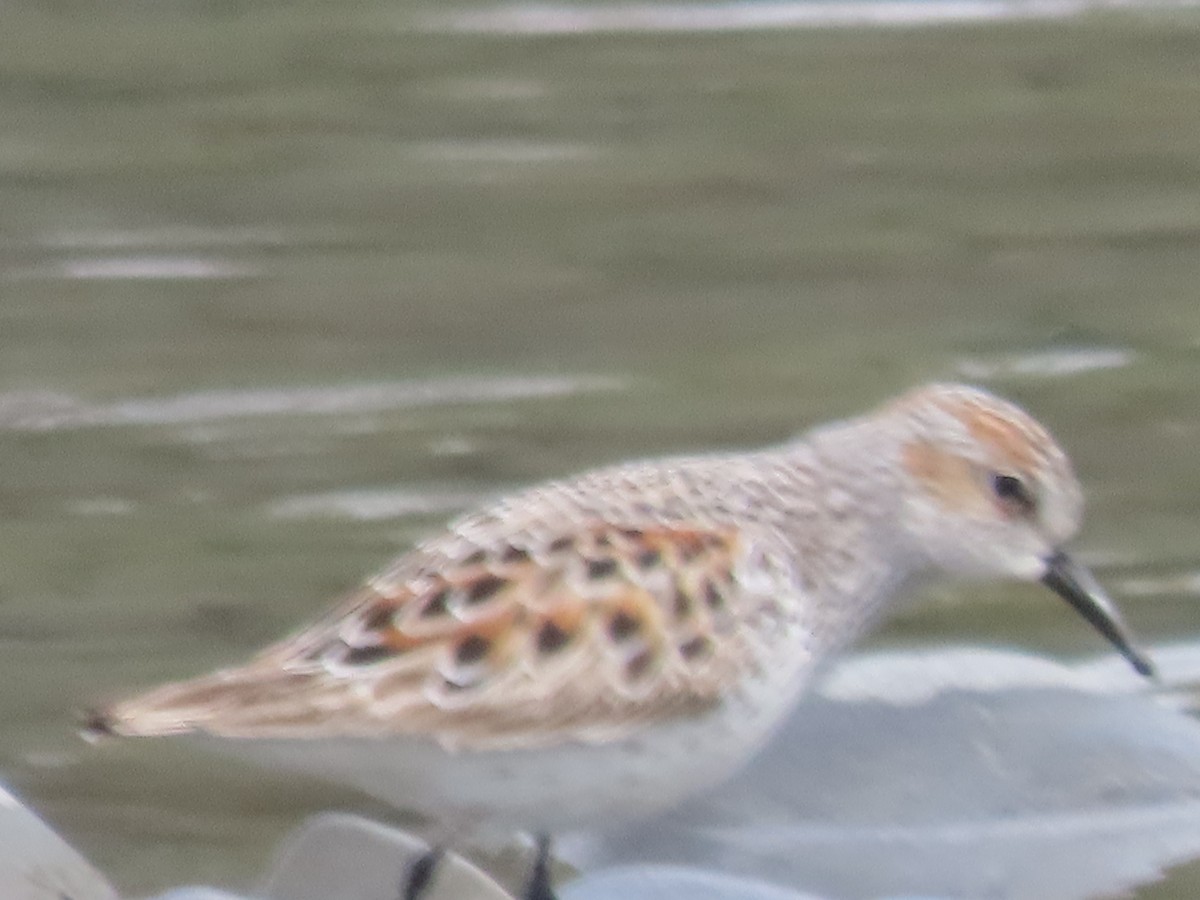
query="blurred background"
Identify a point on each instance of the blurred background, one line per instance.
(285, 285)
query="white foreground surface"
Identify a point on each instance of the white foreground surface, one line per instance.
(953, 774)
(36, 864)
(965, 773)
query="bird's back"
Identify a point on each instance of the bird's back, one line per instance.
(579, 610)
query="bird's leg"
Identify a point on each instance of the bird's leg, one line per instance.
(538, 886)
(420, 873)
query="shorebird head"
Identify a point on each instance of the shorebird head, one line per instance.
(987, 492)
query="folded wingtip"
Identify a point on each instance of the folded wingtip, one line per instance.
(97, 724)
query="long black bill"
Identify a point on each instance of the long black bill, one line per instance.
(1076, 585)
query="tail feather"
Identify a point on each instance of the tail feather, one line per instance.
(195, 705)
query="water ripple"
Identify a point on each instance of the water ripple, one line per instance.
(1056, 363)
(371, 505)
(537, 18)
(51, 411)
(135, 268)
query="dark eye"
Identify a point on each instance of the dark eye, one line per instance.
(1012, 490)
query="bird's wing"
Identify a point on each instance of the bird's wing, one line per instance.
(585, 634)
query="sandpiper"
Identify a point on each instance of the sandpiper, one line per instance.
(606, 645)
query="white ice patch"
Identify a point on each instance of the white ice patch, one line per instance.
(36, 864)
(911, 678)
(956, 773)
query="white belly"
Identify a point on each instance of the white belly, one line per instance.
(542, 789)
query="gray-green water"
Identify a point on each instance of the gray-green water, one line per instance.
(283, 286)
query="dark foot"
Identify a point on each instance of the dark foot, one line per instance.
(539, 887)
(421, 872)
